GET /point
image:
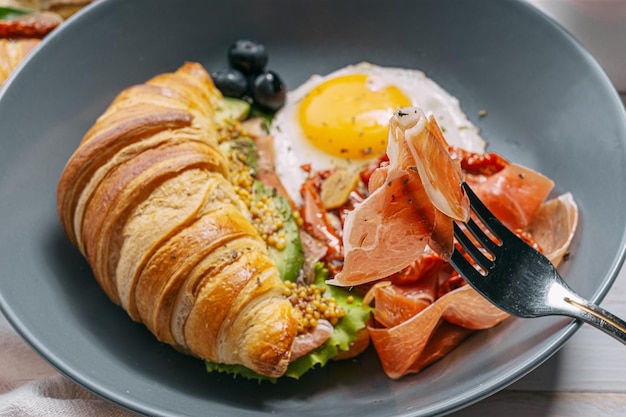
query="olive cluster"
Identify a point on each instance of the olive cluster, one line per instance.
(247, 76)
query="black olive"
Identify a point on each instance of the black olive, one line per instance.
(247, 56)
(231, 82)
(269, 91)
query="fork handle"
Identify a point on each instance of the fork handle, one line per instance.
(599, 318)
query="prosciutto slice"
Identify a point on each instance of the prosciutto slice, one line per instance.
(421, 340)
(400, 238)
(513, 194)
(412, 204)
(554, 226)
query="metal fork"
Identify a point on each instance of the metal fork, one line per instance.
(517, 278)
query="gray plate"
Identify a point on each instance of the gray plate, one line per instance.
(549, 106)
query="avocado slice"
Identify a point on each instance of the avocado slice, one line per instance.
(290, 259)
(233, 109)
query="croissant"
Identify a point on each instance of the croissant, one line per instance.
(146, 200)
(12, 52)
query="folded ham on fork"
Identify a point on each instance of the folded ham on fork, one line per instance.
(399, 239)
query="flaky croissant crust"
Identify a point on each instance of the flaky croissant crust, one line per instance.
(12, 52)
(145, 200)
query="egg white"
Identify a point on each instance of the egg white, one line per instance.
(293, 149)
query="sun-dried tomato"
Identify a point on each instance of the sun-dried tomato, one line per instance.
(36, 25)
(479, 163)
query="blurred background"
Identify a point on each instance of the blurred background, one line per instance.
(600, 25)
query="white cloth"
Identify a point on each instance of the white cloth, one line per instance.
(29, 386)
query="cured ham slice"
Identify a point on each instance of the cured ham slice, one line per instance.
(412, 204)
(513, 194)
(398, 303)
(419, 341)
(414, 330)
(411, 332)
(554, 225)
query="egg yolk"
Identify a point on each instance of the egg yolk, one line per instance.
(347, 117)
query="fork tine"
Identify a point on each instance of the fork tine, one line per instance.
(465, 268)
(486, 217)
(475, 253)
(480, 235)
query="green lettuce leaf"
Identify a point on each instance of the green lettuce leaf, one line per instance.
(7, 13)
(355, 319)
(237, 370)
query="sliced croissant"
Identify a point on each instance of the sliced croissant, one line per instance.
(146, 201)
(12, 53)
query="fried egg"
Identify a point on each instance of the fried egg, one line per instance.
(342, 119)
